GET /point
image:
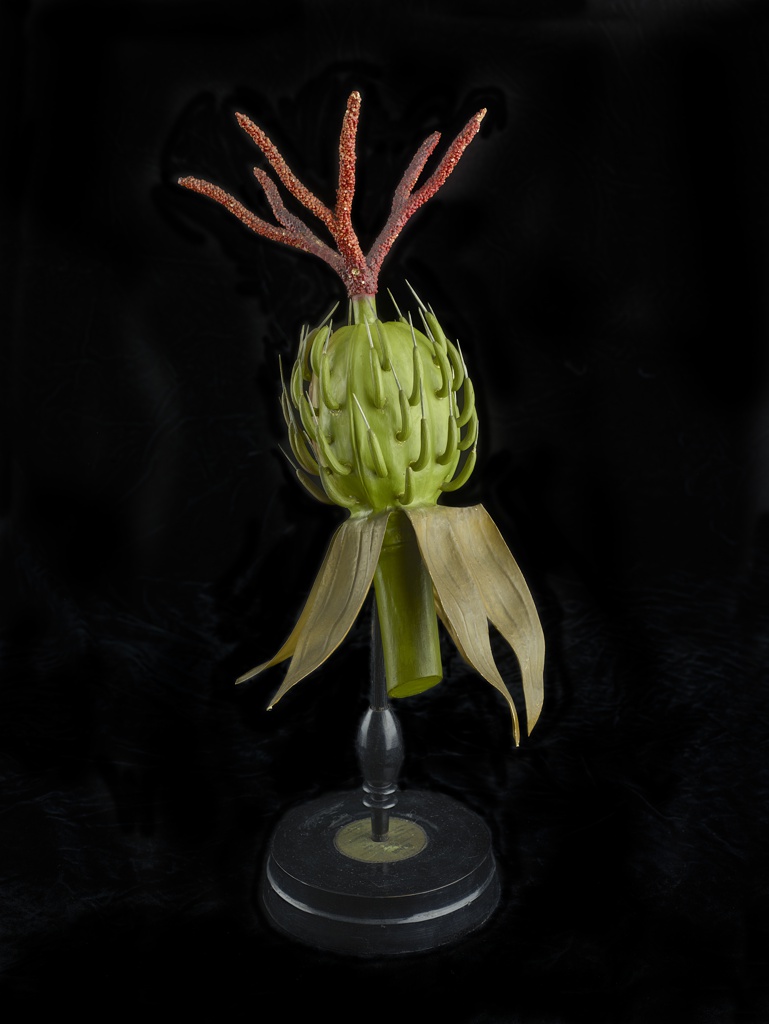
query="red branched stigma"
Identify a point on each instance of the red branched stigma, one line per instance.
(360, 273)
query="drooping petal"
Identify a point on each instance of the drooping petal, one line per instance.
(449, 628)
(509, 604)
(288, 648)
(461, 602)
(486, 560)
(335, 600)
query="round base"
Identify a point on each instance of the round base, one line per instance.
(327, 883)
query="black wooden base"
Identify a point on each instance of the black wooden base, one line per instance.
(431, 882)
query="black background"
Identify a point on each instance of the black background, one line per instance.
(601, 254)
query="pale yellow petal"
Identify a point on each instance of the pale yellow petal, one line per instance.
(336, 598)
(507, 599)
(449, 628)
(485, 558)
(439, 535)
(288, 648)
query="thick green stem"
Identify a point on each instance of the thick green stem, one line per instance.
(406, 608)
(363, 309)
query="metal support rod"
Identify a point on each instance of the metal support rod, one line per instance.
(379, 743)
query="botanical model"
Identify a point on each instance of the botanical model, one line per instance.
(382, 421)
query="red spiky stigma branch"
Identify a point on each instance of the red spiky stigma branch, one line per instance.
(359, 272)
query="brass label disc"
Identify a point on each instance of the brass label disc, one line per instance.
(405, 839)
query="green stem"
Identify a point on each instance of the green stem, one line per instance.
(406, 608)
(364, 309)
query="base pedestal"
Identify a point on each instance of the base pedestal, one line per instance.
(328, 884)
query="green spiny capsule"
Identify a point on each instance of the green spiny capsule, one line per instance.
(353, 402)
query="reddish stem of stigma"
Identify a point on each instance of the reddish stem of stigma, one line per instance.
(360, 273)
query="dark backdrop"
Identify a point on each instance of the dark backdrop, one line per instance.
(601, 254)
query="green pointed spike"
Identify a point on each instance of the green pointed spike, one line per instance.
(425, 445)
(328, 316)
(436, 331)
(404, 431)
(426, 326)
(445, 367)
(401, 317)
(335, 491)
(457, 367)
(471, 436)
(313, 487)
(380, 466)
(378, 463)
(468, 403)
(299, 448)
(421, 304)
(318, 346)
(326, 390)
(340, 468)
(451, 443)
(464, 474)
(287, 457)
(405, 410)
(308, 417)
(416, 386)
(377, 383)
(302, 354)
(297, 384)
(384, 345)
(285, 407)
(408, 488)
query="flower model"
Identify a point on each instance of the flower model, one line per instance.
(382, 421)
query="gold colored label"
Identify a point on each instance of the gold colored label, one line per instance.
(404, 839)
